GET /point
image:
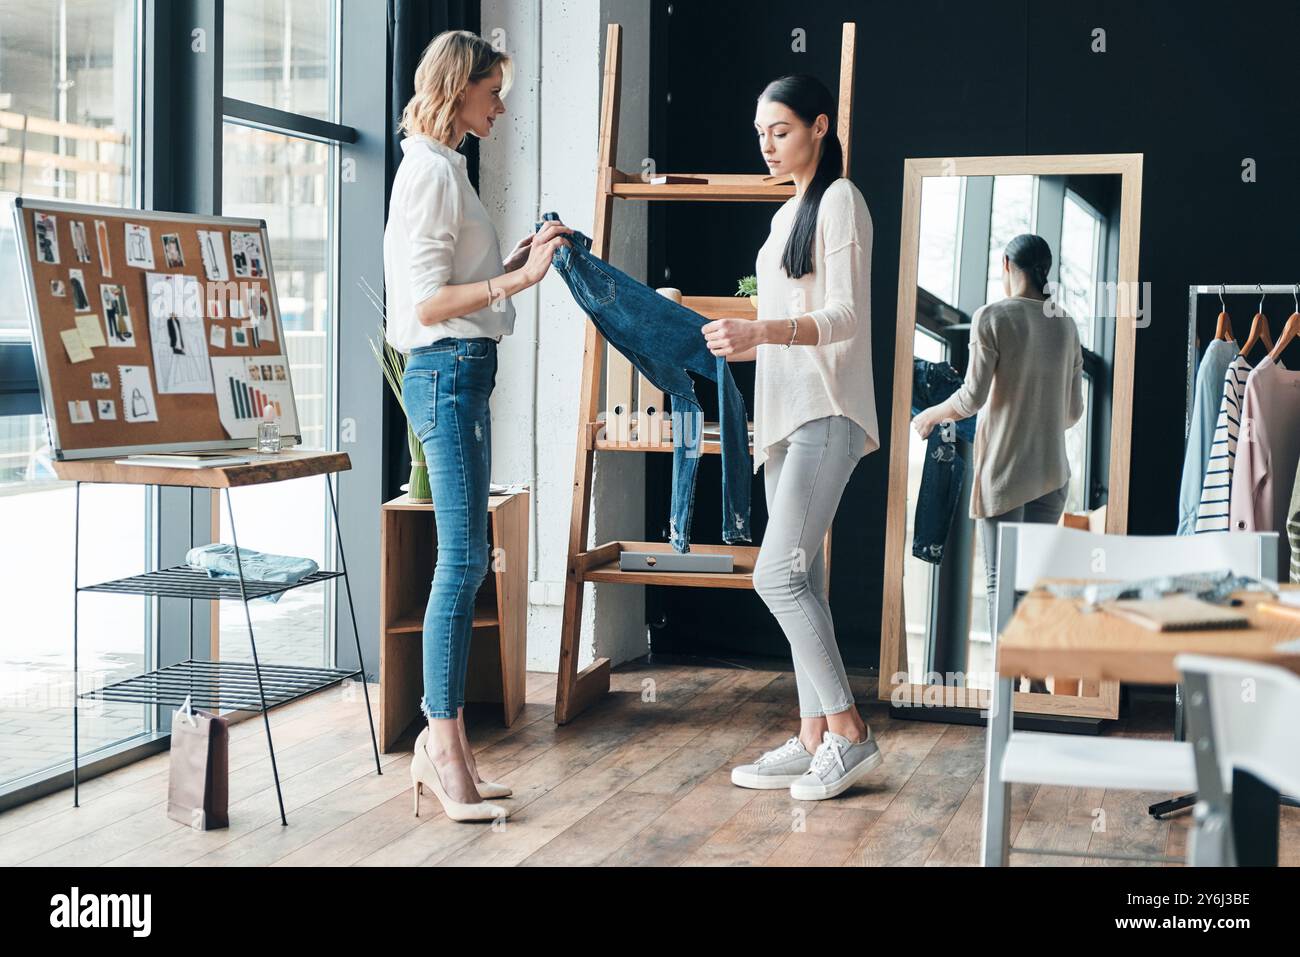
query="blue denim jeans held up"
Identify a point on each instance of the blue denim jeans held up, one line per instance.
(445, 390)
(662, 339)
(944, 471)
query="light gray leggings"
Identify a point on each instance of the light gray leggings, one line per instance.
(804, 477)
(1045, 510)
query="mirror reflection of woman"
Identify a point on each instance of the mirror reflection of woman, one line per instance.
(814, 419)
(1025, 372)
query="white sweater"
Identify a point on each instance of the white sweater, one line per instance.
(1026, 372)
(438, 233)
(834, 377)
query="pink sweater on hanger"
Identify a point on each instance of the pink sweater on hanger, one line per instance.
(1268, 450)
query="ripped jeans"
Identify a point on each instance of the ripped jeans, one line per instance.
(445, 391)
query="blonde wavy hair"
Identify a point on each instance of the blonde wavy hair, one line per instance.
(450, 63)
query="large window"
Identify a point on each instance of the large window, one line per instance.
(282, 56)
(69, 94)
(72, 109)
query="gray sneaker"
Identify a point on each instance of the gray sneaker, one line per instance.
(778, 768)
(837, 766)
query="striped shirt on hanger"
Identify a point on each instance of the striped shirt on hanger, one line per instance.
(1212, 513)
(1293, 528)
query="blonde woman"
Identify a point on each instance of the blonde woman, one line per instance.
(814, 419)
(448, 302)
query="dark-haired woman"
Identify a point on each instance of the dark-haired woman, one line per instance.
(1026, 365)
(814, 418)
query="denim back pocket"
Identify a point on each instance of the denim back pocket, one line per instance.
(420, 398)
(597, 284)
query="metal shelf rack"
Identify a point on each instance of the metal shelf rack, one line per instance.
(214, 685)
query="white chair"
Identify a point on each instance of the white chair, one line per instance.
(1240, 715)
(1029, 552)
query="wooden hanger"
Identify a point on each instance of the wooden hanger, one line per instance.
(1258, 328)
(1223, 328)
(1290, 330)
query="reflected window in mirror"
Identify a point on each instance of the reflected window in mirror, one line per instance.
(942, 198)
(1080, 271)
(1013, 213)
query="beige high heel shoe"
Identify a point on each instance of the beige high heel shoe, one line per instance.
(486, 789)
(425, 774)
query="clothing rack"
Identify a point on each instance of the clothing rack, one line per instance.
(1223, 289)
(1194, 293)
(625, 426)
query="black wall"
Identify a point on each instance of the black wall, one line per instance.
(1195, 87)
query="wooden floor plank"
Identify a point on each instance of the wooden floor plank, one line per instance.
(960, 844)
(909, 829)
(1123, 826)
(1059, 819)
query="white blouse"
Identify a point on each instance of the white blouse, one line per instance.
(438, 233)
(834, 377)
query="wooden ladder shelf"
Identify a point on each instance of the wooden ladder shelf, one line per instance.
(642, 428)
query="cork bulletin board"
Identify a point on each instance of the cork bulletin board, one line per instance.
(152, 332)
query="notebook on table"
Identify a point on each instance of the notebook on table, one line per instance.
(1176, 613)
(187, 460)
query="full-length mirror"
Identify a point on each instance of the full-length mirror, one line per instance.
(1037, 252)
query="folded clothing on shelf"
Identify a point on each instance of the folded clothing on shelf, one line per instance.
(218, 560)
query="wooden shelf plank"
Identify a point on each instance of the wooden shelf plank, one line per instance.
(702, 187)
(405, 504)
(603, 566)
(721, 307)
(485, 616)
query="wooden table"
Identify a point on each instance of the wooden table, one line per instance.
(263, 468)
(1049, 635)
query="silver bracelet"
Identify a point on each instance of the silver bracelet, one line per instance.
(794, 330)
(491, 294)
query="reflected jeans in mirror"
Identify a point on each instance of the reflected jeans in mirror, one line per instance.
(662, 339)
(944, 471)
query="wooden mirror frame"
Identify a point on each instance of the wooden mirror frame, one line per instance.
(893, 644)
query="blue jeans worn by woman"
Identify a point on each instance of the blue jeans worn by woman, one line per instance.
(445, 390)
(662, 339)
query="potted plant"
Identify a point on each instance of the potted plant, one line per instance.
(393, 364)
(748, 286)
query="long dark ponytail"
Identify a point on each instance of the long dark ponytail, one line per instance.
(808, 98)
(1032, 256)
